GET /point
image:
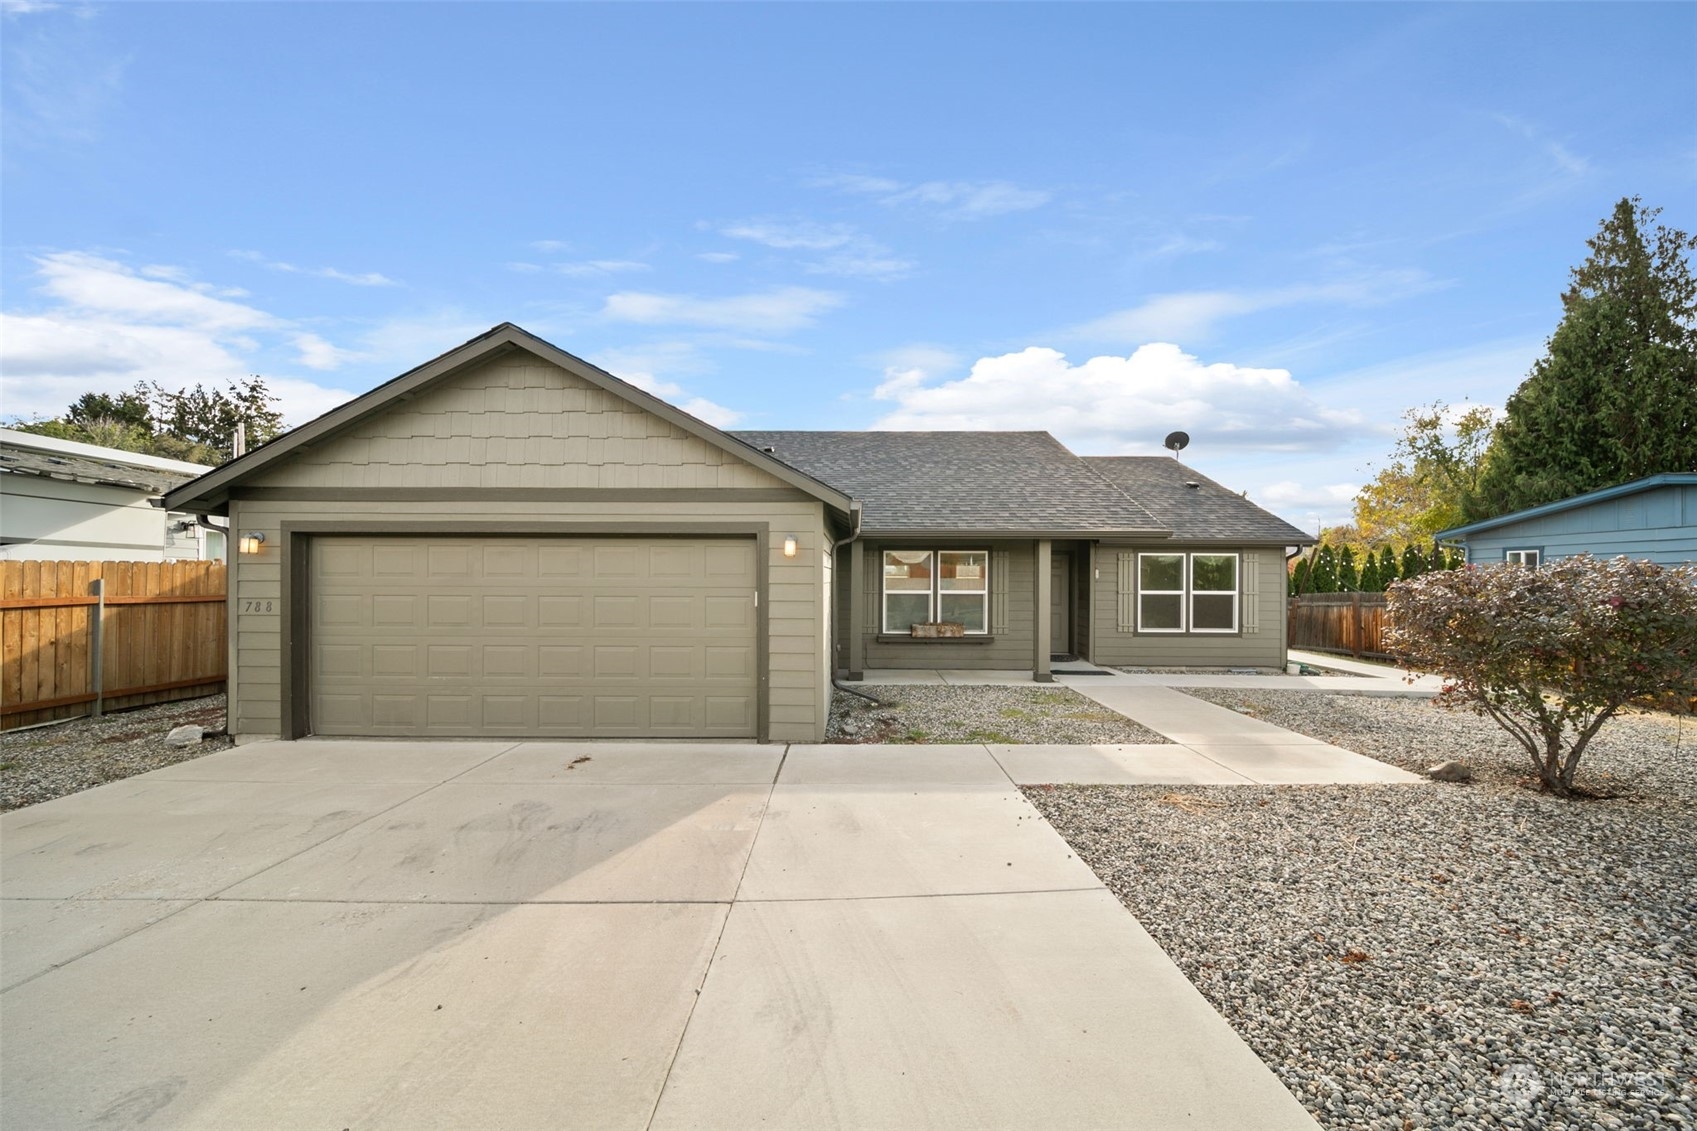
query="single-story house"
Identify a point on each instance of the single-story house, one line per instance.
(1654, 519)
(61, 500)
(508, 541)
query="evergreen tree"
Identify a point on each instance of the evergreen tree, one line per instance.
(1324, 578)
(1349, 578)
(197, 425)
(1370, 582)
(1299, 578)
(1614, 398)
(1413, 562)
(1387, 567)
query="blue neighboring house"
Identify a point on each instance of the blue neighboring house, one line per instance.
(1653, 519)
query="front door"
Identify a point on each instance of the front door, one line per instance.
(1060, 603)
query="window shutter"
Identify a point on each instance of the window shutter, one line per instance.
(998, 592)
(1126, 593)
(1251, 593)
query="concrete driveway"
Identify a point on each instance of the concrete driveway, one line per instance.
(334, 934)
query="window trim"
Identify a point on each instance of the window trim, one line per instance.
(1180, 592)
(1189, 592)
(1536, 551)
(934, 595)
(1236, 592)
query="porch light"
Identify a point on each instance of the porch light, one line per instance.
(789, 546)
(250, 542)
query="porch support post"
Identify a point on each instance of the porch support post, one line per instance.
(857, 611)
(1040, 621)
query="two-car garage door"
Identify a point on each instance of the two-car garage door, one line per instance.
(552, 637)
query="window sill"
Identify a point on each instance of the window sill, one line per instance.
(902, 638)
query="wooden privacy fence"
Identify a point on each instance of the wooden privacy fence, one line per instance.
(79, 638)
(1350, 623)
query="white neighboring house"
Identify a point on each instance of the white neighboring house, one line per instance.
(65, 501)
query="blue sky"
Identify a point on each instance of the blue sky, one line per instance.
(1273, 226)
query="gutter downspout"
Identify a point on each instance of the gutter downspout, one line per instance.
(855, 512)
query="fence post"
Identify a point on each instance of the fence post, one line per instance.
(1359, 628)
(97, 638)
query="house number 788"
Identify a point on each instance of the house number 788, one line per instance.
(259, 606)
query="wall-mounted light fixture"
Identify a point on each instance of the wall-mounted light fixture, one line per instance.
(250, 542)
(789, 546)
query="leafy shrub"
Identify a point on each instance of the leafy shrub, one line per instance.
(1552, 653)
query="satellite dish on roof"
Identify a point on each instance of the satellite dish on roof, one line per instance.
(1176, 441)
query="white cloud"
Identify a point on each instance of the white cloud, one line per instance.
(107, 327)
(643, 367)
(1560, 155)
(316, 353)
(961, 200)
(852, 255)
(550, 245)
(590, 267)
(1120, 405)
(1289, 493)
(85, 282)
(718, 256)
(358, 279)
(802, 234)
(1192, 315)
(774, 311)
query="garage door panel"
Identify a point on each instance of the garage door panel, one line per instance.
(546, 637)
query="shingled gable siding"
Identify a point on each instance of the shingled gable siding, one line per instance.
(1009, 650)
(1260, 641)
(534, 425)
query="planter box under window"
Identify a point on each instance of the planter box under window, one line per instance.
(939, 630)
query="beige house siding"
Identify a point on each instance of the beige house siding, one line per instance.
(516, 421)
(1260, 641)
(1012, 589)
(519, 422)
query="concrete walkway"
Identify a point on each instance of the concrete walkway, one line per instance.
(1210, 745)
(461, 934)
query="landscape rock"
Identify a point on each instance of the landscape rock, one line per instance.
(185, 736)
(1450, 771)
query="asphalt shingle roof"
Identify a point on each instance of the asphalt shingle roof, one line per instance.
(1206, 511)
(967, 481)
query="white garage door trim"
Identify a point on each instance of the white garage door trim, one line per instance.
(296, 538)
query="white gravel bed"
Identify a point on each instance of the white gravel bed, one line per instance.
(1637, 752)
(929, 713)
(42, 763)
(1436, 956)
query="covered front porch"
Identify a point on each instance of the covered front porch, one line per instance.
(1024, 604)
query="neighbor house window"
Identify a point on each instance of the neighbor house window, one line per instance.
(1533, 558)
(1187, 592)
(923, 586)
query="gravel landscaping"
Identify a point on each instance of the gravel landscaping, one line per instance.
(1431, 956)
(929, 713)
(42, 763)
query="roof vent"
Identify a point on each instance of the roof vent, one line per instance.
(1192, 484)
(769, 451)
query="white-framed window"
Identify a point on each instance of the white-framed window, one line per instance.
(1160, 592)
(1533, 558)
(1187, 592)
(924, 586)
(1213, 592)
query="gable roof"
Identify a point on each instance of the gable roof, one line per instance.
(1665, 479)
(212, 489)
(48, 457)
(1193, 506)
(1022, 483)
